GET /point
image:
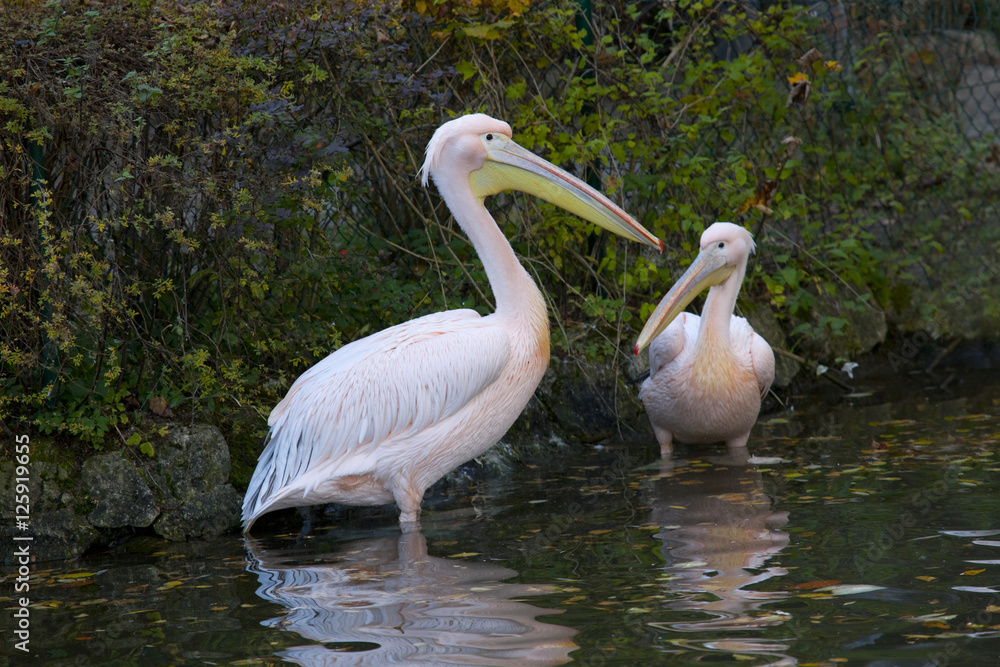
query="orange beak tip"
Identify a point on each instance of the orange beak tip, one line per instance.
(637, 349)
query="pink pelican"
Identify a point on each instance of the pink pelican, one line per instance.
(708, 374)
(384, 417)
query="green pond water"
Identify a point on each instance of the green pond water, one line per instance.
(867, 532)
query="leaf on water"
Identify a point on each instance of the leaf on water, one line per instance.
(929, 618)
(850, 589)
(970, 533)
(464, 554)
(730, 497)
(767, 460)
(972, 573)
(169, 584)
(77, 575)
(926, 577)
(810, 585)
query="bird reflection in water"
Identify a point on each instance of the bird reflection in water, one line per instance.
(718, 532)
(385, 601)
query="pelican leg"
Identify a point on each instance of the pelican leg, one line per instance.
(666, 440)
(738, 445)
(408, 499)
(306, 512)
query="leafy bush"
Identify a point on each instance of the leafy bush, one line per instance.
(200, 201)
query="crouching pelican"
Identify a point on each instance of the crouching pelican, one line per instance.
(708, 374)
(384, 417)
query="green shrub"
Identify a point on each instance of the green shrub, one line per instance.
(199, 202)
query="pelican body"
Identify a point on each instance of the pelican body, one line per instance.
(384, 417)
(708, 374)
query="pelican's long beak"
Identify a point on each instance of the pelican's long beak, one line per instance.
(514, 168)
(710, 268)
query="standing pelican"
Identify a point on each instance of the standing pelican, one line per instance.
(384, 417)
(707, 375)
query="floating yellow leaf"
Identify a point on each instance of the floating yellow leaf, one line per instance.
(926, 577)
(77, 575)
(464, 554)
(970, 573)
(809, 585)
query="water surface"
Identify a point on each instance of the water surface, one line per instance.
(867, 533)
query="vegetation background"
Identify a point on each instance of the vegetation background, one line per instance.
(200, 200)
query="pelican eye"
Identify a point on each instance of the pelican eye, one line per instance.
(722, 244)
(489, 137)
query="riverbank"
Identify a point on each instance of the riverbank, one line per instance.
(188, 489)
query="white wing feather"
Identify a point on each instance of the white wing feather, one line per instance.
(395, 382)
